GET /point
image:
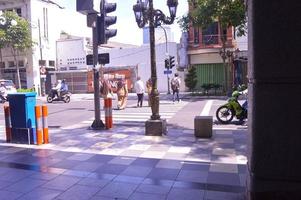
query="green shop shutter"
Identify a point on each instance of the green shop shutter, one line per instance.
(210, 73)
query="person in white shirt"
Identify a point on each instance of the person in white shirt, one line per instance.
(139, 87)
(175, 86)
(3, 92)
(55, 90)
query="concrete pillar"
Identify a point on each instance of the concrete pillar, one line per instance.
(274, 147)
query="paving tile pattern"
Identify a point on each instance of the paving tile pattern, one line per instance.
(123, 163)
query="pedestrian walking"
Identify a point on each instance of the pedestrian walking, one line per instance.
(149, 86)
(175, 86)
(122, 94)
(139, 87)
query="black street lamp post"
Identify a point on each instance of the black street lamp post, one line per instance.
(145, 13)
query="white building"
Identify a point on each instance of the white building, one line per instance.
(46, 19)
(71, 52)
(160, 36)
(71, 60)
(140, 57)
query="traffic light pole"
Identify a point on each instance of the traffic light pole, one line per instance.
(97, 123)
(166, 53)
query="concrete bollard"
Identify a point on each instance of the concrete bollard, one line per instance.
(7, 124)
(203, 126)
(45, 124)
(108, 113)
(39, 125)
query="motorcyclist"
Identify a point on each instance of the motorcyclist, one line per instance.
(237, 107)
(55, 90)
(3, 92)
(63, 89)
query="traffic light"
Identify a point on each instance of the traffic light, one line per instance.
(104, 21)
(166, 63)
(171, 61)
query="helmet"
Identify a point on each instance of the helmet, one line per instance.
(235, 94)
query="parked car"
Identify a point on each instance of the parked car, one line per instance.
(10, 86)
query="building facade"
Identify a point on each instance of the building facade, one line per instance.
(43, 16)
(205, 53)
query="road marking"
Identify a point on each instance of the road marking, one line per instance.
(206, 109)
(127, 115)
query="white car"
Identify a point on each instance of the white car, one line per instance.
(10, 86)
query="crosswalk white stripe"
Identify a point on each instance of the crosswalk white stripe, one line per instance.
(207, 107)
(141, 113)
(166, 112)
(136, 117)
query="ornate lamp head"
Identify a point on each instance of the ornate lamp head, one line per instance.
(172, 5)
(144, 4)
(138, 12)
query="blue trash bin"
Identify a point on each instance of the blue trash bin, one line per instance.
(22, 112)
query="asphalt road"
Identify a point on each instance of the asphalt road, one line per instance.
(80, 113)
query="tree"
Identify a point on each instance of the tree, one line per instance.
(2, 42)
(191, 78)
(17, 37)
(229, 13)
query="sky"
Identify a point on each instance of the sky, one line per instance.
(127, 29)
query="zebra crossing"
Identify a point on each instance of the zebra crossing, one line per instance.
(138, 115)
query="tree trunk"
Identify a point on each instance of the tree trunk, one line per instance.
(17, 67)
(223, 55)
(1, 55)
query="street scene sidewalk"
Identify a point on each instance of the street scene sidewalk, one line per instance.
(163, 96)
(123, 163)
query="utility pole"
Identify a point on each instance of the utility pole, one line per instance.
(167, 55)
(100, 34)
(97, 123)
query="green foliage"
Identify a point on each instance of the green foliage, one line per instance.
(191, 78)
(227, 12)
(184, 23)
(26, 90)
(16, 36)
(209, 86)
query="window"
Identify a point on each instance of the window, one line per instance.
(196, 36)
(21, 63)
(210, 35)
(42, 62)
(45, 19)
(19, 12)
(51, 63)
(2, 64)
(11, 64)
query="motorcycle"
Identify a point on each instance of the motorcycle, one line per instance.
(64, 96)
(233, 108)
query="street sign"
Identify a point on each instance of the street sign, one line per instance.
(167, 72)
(103, 58)
(42, 70)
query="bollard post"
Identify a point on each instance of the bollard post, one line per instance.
(106, 107)
(7, 123)
(110, 113)
(39, 125)
(45, 123)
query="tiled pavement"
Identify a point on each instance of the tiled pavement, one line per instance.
(122, 163)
